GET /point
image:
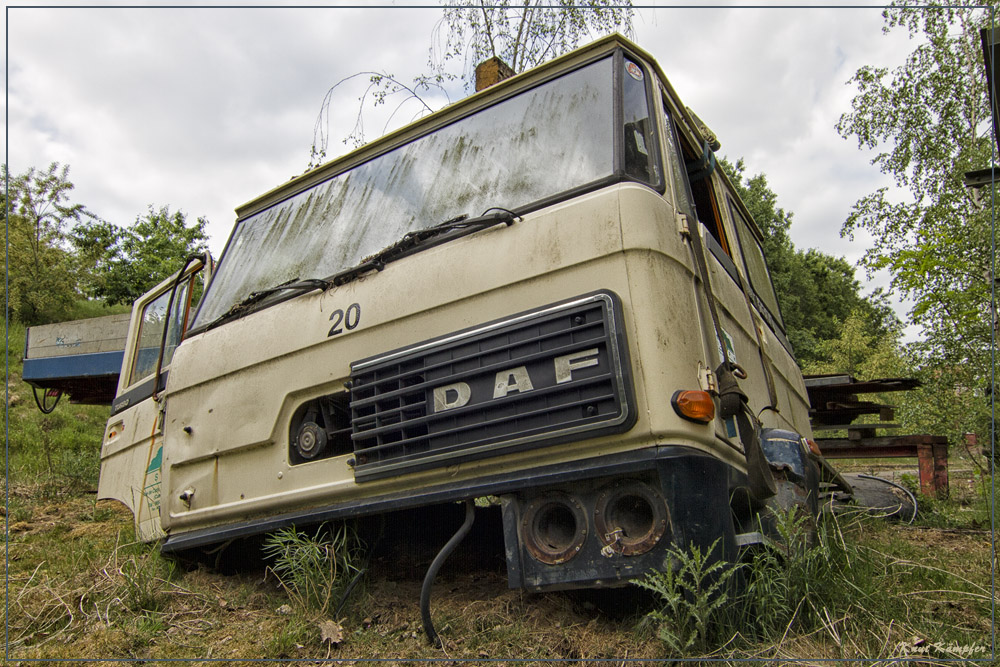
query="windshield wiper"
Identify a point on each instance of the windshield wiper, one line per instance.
(245, 306)
(425, 238)
(409, 243)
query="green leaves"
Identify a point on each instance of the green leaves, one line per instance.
(692, 587)
(40, 267)
(929, 120)
(60, 252)
(525, 34)
(315, 570)
(925, 115)
(816, 292)
(120, 264)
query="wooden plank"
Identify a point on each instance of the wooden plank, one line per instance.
(883, 441)
(819, 388)
(852, 427)
(826, 380)
(869, 452)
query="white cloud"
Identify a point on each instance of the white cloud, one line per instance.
(199, 109)
(204, 109)
(772, 84)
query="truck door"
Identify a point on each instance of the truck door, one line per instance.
(700, 195)
(132, 449)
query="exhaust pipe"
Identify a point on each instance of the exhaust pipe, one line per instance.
(554, 528)
(630, 518)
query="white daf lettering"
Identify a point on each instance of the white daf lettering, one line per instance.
(451, 396)
(515, 379)
(565, 365)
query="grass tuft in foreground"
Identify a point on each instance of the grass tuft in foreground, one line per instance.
(320, 571)
(842, 588)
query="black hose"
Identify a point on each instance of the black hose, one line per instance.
(348, 591)
(43, 404)
(425, 590)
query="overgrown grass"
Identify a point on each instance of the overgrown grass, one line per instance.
(850, 583)
(57, 451)
(968, 508)
(81, 587)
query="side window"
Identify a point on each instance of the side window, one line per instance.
(707, 205)
(753, 256)
(682, 193)
(154, 318)
(699, 165)
(640, 158)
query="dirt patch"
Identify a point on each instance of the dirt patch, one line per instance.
(974, 544)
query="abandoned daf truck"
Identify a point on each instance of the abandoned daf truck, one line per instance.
(545, 293)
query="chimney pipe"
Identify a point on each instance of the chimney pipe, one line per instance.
(490, 72)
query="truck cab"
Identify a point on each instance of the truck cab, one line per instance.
(545, 293)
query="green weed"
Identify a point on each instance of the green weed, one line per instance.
(285, 643)
(968, 508)
(804, 574)
(315, 570)
(141, 582)
(835, 578)
(143, 630)
(693, 588)
(61, 447)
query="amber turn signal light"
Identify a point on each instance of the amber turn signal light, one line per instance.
(694, 405)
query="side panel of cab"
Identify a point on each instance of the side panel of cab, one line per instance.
(132, 448)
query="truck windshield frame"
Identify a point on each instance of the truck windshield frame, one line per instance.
(501, 155)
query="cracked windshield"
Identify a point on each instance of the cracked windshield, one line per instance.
(519, 151)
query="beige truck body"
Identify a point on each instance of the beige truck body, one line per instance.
(226, 419)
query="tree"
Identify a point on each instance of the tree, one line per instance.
(929, 123)
(121, 264)
(41, 273)
(522, 34)
(762, 202)
(858, 351)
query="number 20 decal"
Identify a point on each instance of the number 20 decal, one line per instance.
(349, 319)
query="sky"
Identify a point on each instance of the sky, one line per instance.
(203, 109)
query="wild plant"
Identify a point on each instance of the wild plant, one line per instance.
(693, 587)
(796, 580)
(316, 571)
(795, 575)
(139, 585)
